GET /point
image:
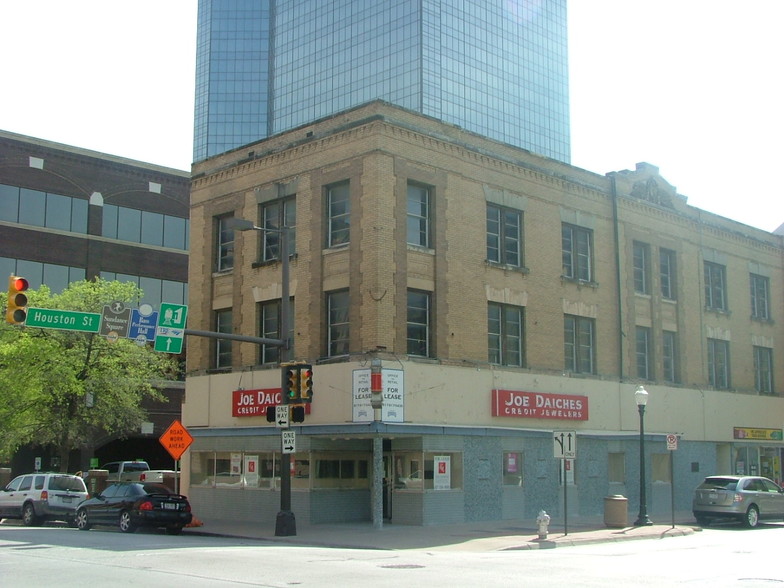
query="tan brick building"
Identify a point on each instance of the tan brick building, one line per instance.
(508, 296)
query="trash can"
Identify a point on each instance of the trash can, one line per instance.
(5, 477)
(616, 511)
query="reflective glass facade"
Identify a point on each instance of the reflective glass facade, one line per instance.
(495, 67)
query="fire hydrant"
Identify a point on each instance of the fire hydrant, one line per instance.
(543, 521)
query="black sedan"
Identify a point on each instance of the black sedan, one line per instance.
(135, 504)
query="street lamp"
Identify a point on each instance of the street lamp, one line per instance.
(641, 398)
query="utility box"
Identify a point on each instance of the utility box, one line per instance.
(616, 511)
(97, 480)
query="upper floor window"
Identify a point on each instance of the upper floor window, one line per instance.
(338, 215)
(760, 290)
(142, 226)
(504, 235)
(577, 252)
(719, 363)
(641, 261)
(579, 344)
(223, 319)
(418, 215)
(505, 334)
(670, 356)
(270, 320)
(715, 286)
(275, 216)
(224, 246)
(337, 323)
(418, 323)
(763, 370)
(643, 352)
(667, 273)
(41, 209)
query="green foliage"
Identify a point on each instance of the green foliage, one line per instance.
(67, 389)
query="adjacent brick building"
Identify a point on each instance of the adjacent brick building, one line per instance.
(69, 214)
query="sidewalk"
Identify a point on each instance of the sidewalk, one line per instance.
(481, 536)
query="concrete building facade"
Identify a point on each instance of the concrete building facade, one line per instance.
(511, 298)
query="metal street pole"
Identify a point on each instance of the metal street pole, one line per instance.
(641, 398)
(285, 523)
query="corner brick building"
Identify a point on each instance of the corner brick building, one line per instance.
(508, 296)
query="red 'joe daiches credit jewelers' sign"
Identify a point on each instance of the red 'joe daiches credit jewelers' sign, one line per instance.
(536, 405)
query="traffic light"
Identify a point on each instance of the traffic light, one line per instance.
(290, 384)
(16, 311)
(306, 383)
(298, 413)
(270, 414)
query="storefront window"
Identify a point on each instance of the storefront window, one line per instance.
(746, 460)
(513, 469)
(344, 471)
(253, 469)
(429, 471)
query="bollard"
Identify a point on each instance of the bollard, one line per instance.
(543, 521)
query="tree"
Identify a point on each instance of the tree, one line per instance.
(66, 388)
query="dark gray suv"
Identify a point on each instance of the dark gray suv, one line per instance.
(40, 497)
(748, 499)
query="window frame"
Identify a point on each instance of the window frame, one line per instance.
(224, 243)
(667, 276)
(760, 297)
(338, 343)
(577, 253)
(643, 349)
(670, 356)
(763, 370)
(503, 246)
(338, 215)
(276, 218)
(421, 216)
(715, 275)
(419, 346)
(641, 262)
(223, 347)
(719, 364)
(575, 361)
(498, 348)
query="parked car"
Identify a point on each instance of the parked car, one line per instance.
(40, 497)
(748, 499)
(131, 505)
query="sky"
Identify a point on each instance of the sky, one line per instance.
(693, 87)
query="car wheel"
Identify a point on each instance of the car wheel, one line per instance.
(751, 519)
(82, 522)
(703, 521)
(126, 525)
(175, 530)
(28, 515)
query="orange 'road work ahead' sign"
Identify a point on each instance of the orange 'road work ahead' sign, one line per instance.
(176, 439)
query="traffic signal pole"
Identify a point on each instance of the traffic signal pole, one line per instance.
(285, 523)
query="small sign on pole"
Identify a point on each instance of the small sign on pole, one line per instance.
(672, 442)
(288, 441)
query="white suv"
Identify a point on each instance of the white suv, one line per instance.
(40, 497)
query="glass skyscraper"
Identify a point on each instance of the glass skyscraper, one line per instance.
(495, 67)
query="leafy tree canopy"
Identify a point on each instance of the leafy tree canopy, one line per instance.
(66, 388)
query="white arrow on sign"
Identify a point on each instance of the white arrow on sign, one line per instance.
(288, 441)
(564, 444)
(282, 415)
